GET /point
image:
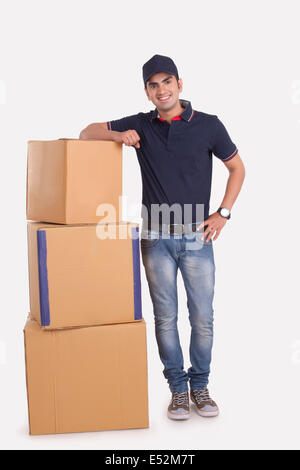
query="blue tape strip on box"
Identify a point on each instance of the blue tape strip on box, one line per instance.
(43, 278)
(136, 273)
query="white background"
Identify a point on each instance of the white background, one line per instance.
(65, 64)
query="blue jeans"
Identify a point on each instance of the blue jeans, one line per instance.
(161, 259)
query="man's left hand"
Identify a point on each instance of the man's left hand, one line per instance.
(215, 223)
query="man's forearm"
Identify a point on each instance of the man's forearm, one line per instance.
(233, 187)
(97, 132)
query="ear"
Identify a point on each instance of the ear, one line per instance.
(180, 84)
(146, 91)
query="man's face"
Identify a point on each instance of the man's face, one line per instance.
(163, 90)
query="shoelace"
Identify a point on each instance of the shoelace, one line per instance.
(202, 395)
(180, 398)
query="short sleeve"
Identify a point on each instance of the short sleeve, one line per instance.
(125, 124)
(222, 145)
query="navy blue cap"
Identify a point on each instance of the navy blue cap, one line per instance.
(157, 64)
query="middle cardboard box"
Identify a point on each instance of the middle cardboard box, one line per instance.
(82, 275)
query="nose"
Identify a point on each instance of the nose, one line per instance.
(162, 89)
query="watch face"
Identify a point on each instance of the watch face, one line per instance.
(225, 212)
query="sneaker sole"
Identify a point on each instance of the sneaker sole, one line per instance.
(207, 414)
(178, 416)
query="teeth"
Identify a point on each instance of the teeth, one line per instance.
(164, 98)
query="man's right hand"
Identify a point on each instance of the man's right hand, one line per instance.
(129, 138)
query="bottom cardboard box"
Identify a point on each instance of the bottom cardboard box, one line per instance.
(87, 378)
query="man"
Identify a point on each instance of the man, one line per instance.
(174, 145)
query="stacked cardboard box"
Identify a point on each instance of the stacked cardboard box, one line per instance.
(85, 338)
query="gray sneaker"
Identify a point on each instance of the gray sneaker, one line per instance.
(205, 406)
(179, 407)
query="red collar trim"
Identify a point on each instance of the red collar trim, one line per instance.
(175, 118)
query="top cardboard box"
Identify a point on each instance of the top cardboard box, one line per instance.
(67, 180)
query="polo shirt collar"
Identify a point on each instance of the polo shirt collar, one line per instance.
(186, 115)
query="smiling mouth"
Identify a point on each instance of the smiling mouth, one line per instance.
(163, 99)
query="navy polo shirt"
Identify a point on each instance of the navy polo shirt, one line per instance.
(176, 159)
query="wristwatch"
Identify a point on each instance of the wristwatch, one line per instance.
(224, 212)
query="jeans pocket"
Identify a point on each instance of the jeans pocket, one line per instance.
(147, 241)
(203, 242)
